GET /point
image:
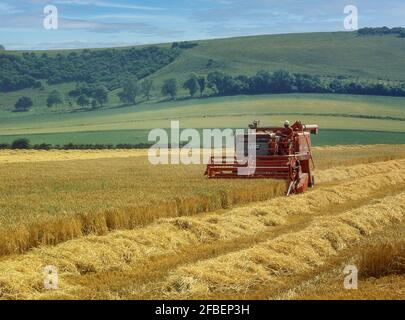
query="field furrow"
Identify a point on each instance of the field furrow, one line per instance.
(272, 263)
(380, 259)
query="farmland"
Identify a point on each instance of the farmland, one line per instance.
(359, 119)
(327, 54)
(117, 227)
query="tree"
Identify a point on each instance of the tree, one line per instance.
(100, 94)
(308, 83)
(242, 84)
(130, 92)
(379, 31)
(336, 86)
(2, 48)
(21, 144)
(192, 85)
(83, 101)
(202, 84)
(354, 88)
(184, 45)
(223, 84)
(169, 88)
(23, 104)
(261, 82)
(215, 81)
(147, 86)
(94, 104)
(282, 81)
(38, 85)
(54, 98)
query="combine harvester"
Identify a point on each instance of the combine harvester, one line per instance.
(280, 153)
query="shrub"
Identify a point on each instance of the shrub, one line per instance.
(22, 143)
(43, 146)
(23, 104)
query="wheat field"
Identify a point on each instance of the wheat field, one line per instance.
(116, 227)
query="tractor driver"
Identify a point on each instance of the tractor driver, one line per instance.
(287, 129)
(285, 141)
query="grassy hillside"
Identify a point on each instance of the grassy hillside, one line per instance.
(324, 54)
(131, 124)
(327, 54)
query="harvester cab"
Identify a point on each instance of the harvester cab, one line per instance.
(279, 153)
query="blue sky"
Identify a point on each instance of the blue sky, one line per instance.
(106, 23)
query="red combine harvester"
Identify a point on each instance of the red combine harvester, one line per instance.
(281, 153)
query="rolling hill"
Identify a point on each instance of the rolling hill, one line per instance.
(326, 54)
(342, 54)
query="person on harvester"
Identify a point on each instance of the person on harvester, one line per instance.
(286, 142)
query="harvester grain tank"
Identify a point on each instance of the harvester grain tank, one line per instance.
(280, 153)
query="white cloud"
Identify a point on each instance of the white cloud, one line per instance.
(5, 8)
(106, 4)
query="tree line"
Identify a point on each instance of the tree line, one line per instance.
(24, 143)
(381, 31)
(109, 67)
(222, 84)
(83, 95)
(281, 81)
(169, 88)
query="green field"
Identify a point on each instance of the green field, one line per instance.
(359, 114)
(326, 137)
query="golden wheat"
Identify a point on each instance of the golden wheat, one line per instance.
(125, 250)
(67, 199)
(380, 261)
(49, 202)
(383, 259)
(57, 198)
(18, 156)
(287, 255)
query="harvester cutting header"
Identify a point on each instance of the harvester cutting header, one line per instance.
(280, 153)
